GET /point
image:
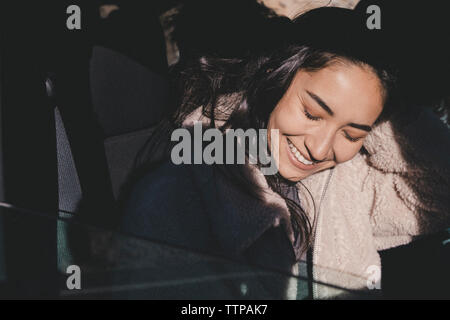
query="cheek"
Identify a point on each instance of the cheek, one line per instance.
(346, 151)
(287, 119)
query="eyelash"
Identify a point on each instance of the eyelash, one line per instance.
(311, 117)
(351, 139)
(347, 136)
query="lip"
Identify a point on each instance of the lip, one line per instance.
(297, 163)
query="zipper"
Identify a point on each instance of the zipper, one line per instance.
(316, 235)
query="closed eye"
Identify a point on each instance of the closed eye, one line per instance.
(310, 116)
(350, 138)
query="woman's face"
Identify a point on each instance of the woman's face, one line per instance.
(324, 117)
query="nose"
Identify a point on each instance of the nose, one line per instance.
(319, 145)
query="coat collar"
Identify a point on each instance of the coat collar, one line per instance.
(239, 219)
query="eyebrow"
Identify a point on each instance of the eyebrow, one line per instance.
(320, 102)
(324, 106)
(361, 126)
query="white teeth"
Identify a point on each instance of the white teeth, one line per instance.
(298, 154)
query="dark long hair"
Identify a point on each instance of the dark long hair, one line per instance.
(248, 87)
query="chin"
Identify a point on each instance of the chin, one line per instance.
(293, 175)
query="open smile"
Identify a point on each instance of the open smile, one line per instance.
(297, 158)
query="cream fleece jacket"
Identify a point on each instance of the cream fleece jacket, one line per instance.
(373, 202)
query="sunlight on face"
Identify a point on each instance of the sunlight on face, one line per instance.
(324, 117)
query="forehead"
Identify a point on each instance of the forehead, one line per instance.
(352, 92)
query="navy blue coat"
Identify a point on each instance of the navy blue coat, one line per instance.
(196, 207)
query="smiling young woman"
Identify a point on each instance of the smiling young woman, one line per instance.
(329, 95)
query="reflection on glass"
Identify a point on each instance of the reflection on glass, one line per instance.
(112, 265)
